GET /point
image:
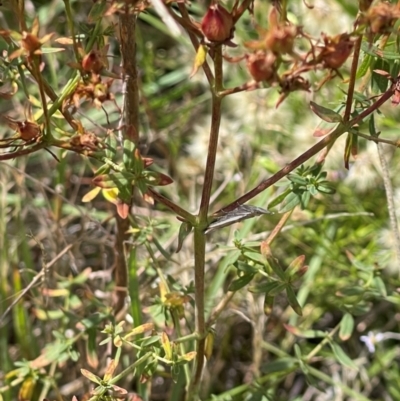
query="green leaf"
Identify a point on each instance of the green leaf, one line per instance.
(264, 287)
(184, 231)
(380, 286)
(346, 327)
(111, 146)
(97, 11)
(92, 377)
(297, 179)
(281, 365)
(377, 52)
(325, 188)
(379, 82)
(245, 267)
(255, 257)
(291, 201)
(240, 282)
(293, 302)
(341, 356)
(268, 304)
(275, 266)
(113, 180)
(327, 115)
(279, 198)
(305, 199)
(128, 157)
(364, 67)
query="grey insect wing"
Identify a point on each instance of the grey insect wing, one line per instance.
(242, 212)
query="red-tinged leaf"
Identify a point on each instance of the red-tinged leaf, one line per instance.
(148, 198)
(291, 329)
(158, 179)
(109, 373)
(295, 266)
(147, 161)
(140, 330)
(200, 59)
(91, 195)
(319, 132)
(327, 115)
(382, 72)
(123, 210)
(92, 377)
(189, 356)
(119, 392)
(64, 41)
(265, 249)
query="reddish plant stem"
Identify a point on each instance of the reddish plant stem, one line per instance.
(353, 75)
(131, 119)
(327, 141)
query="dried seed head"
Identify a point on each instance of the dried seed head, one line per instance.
(30, 42)
(217, 24)
(261, 66)
(364, 5)
(28, 130)
(280, 36)
(381, 17)
(336, 50)
(92, 62)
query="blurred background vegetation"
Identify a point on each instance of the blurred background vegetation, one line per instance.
(350, 289)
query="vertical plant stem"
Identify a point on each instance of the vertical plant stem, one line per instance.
(131, 119)
(199, 236)
(214, 132)
(199, 265)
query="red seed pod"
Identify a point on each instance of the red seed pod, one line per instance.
(261, 66)
(217, 24)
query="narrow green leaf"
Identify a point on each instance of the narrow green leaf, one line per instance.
(274, 264)
(97, 11)
(327, 115)
(184, 231)
(364, 66)
(265, 288)
(293, 302)
(346, 327)
(279, 198)
(291, 201)
(128, 154)
(380, 286)
(341, 356)
(268, 304)
(240, 282)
